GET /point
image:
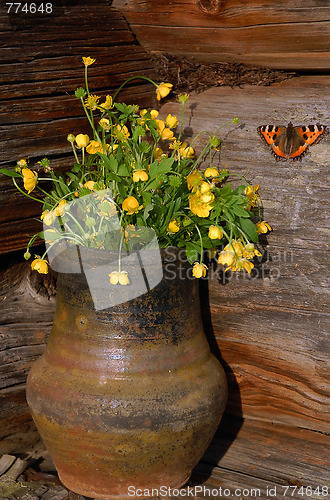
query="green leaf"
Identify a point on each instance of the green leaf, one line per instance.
(10, 173)
(249, 229)
(76, 167)
(138, 132)
(225, 191)
(147, 210)
(240, 211)
(160, 168)
(192, 251)
(111, 166)
(147, 197)
(144, 147)
(72, 176)
(123, 170)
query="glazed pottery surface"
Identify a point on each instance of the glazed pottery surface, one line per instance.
(127, 398)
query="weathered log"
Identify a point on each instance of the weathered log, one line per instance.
(291, 35)
(270, 329)
(27, 305)
(41, 67)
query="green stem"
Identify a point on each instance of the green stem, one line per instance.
(90, 120)
(201, 242)
(129, 80)
(86, 80)
(182, 117)
(28, 195)
(120, 248)
(75, 152)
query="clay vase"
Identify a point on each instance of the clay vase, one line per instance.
(127, 398)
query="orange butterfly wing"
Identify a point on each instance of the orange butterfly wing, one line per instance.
(273, 135)
(291, 142)
(305, 136)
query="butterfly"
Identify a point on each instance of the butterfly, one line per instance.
(291, 142)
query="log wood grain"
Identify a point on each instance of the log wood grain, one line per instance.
(255, 455)
(41, 67)
(271, 328)
(27, 307)
(290, 35)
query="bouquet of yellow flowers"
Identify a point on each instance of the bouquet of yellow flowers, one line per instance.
(142, 174)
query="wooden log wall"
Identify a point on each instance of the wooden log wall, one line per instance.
(40, 68)
(272, 329)
(269, 329)
(281, 34)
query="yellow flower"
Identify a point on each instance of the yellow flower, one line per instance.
(175, 144)
(232, 256)
(183, 97)
(253, 197)
(226, 258)
(199, 270)
(173, 226)
(22, 163)
(211, 172)
(164, 133)
(215, 143)
(163, 90)
(200, 207)
(263, 227)
(140, 175)
(171, 121)
(158, 152)
(186, 151)
(82, 140)
(89, 185)
(236, 247)
(105, 124)
(194, 179)
(250, 251)
(119, 277)
(121, 132)
(204, 187)
(30, 179)
(215, 233)
(206, 197)
(88, 61)
(39, 265)
(131, 205)
(107, 104)
(92, 101)
(48, 217)
(59, 210)
(241, 264)
(94, 147)
(153, 114)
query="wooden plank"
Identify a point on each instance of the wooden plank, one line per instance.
(27, 308)
(270, 451)
(246, 459)
(271, 328)
(235, 31)
(40, 68)
(236, 13)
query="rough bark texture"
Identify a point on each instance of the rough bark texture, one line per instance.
(290, 35)
(269, 330)
(41, 67)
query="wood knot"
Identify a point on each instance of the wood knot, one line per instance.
(209, 6)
